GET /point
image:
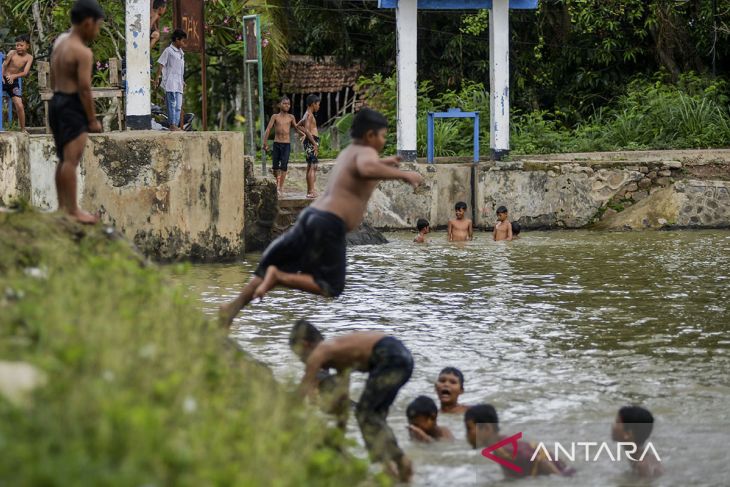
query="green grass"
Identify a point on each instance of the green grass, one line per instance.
(141, 389)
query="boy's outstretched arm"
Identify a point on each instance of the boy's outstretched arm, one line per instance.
(296, 126)
(372, 168)
(306, 131)
(268, 131)
(316, 360)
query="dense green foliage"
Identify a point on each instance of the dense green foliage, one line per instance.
(574, 63)
(141, 389)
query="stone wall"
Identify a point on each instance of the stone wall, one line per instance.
(14, 168)
(176, 195)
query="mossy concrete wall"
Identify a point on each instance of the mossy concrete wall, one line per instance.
(14, 168)
(176, 195)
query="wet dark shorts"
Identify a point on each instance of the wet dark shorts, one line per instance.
(314, 245)
(67, 119)
(12, 89)
(309, 150)
(280, 156)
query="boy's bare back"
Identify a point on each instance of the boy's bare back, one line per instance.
(283, 123)
(71, 64)
(350, 186)
(351, 351)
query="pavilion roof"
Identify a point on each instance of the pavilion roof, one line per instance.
(306, 74)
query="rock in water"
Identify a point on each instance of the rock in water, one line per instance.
(366, 234)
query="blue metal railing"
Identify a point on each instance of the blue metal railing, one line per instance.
(452, 113)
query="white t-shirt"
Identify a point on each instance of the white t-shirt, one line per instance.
(173, 69)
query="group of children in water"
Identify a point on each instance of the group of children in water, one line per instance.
(461, 229)
(311, 257)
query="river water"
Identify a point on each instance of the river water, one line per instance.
(557, 330)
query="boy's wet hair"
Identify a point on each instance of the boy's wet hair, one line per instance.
(637, 420)
(460, 206)
(23, 38)
(516, 227)
(454, 371)
(84, 9)
(311, 100)
(179, 34)
(159, 4)
(502, 209)
(421, 406)
(421, 224)
(366, 120)
(482, 413)
(304, 331)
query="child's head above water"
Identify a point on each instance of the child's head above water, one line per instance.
(284, 103)
(502, 213)
(369, 128)
(422, 224)
(422, 413)
(481, 422)
(304, 337)
(516, 228)
(633, 424)
(460, 209)
(449, 386)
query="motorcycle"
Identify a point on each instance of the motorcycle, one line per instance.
(159, 117)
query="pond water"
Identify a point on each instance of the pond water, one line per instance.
(557, 330)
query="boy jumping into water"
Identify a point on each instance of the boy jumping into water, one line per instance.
(423, 228)
(633, 425)
(311, 255)
(503, 228)
(311, 142)
(423, 427)
(282, 123)
(71, 112)
(16, 66)
(388, 364)
(460, 228)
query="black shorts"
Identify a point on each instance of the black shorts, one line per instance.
(309, 150)
(280, 156)
(314, 245)
(67, 118)
(12, 89)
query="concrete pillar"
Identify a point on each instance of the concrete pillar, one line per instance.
(499, 79)
(138, 94)
(407, 59)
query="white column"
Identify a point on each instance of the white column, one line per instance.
(138, 96)
(499, 78)
(407, 29)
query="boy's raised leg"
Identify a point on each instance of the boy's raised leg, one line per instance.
(227, 312)
(66, 180)
(274, 277)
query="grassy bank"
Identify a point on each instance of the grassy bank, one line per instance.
(141, 388)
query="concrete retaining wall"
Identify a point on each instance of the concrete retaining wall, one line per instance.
(175, 195)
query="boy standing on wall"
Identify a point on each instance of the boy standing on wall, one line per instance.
(71, 112)
(171, 66)
(16, 66)
(159, 7)
(282, 123)
(311, 142)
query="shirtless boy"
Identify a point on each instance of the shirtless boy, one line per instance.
(424, 228)
(633, 425)
(423, 427)
(311, 142)
(388, 364)
(282, 123)
(71, 113)
(503, 228)
(449, 386)
(159, 7)
(16, 66)
(460, 228)
(311, 255)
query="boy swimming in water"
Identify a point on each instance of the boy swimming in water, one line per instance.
(633, 425)
(388, 364)
(311, 255)
(423, 228)
(71, 113)
(503, 228)
(449, 386)
(460, 228)
(482, 430)
(516, 228)
(422, 415)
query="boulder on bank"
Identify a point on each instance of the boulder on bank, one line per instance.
(365, 234)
